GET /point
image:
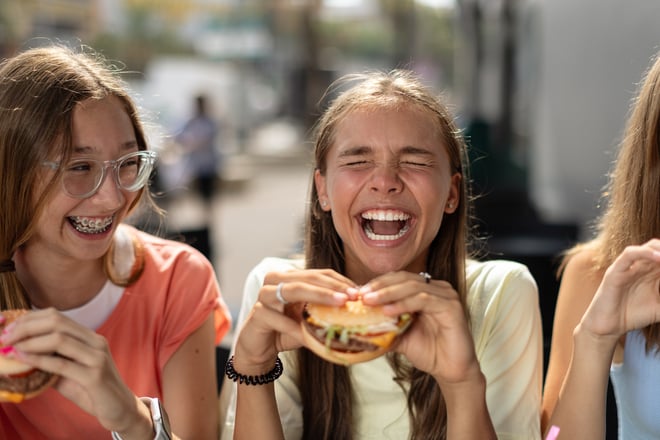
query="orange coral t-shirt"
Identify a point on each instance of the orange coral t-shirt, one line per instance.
(173, 296)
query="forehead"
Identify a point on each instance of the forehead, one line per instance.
(100, 125)
(389, 127)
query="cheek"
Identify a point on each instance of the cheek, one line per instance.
(343, 184)
(133, 199)
(54, 212)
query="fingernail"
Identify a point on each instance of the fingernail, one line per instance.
(369, 296)
(8, 350)
(353, 293)
(339, 297)
(6, 331)
(365, 289)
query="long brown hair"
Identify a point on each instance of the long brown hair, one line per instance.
(39, 89)
(631, 196)
(326, 389)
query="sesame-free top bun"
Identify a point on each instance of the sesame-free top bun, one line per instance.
(19, 381)
(353, 313)
(352, 333)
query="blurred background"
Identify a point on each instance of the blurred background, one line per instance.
(541, 89)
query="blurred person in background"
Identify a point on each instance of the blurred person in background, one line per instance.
(200, 157)
(124, 319)
(607, 319)
(389, 202)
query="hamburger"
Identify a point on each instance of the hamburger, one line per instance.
(352, 333)
(19, 381)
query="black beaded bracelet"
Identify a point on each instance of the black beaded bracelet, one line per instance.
(262, 379)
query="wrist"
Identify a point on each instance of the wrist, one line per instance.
(466, 392)
(256, 379)
(252, 365)
(588, 342)
(158, 427)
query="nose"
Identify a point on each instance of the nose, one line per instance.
(386, 179)
(109, 194)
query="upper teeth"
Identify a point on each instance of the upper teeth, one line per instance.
(387, 215)
(85, 224)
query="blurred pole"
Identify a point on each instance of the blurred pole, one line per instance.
(504, 128)
(471, 56)
(402, 16)
(314, 82)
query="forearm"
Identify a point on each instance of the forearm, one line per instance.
(581, 406)
(256, 413)
(256, 408)
(467, 412)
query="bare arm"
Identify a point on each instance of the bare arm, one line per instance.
(467, 413)
(256, 407)
(190, 386)
(580, 409)
(578, 286)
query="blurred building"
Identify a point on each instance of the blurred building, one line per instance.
(545, 88)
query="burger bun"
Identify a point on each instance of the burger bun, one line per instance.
(18, 380)
(352, 333)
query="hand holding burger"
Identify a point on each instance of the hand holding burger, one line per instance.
(19, 381)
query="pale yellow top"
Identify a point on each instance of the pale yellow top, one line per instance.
(506, 323)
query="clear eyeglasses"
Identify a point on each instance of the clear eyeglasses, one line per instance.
(82, 178)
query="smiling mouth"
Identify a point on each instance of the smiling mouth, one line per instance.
(385, 225)
(89, 225)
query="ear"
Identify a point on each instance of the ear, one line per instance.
(454, 196)
(319, 183)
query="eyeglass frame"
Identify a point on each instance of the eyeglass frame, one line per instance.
(147, 155)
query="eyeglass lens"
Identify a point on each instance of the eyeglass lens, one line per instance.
(83, 177)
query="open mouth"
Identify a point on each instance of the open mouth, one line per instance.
(385, 225)
(90, 225)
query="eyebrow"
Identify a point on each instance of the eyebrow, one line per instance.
(410, 149)
(355, 151)
(86, 149)
(363, 149)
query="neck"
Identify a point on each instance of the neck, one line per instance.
(63, 285)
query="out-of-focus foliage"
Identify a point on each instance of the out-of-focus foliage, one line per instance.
(144, 37)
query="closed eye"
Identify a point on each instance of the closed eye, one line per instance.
(353, 163)
(79, 167)
(415, 163)
(130, 163)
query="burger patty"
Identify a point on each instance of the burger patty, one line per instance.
(24, 384)
(352, 345)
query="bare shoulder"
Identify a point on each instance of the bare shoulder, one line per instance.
(581, 275)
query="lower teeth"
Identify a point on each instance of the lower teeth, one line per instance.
(373, 236)
(88, 230)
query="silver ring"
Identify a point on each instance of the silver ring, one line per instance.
(426, 276)
(278, 294)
